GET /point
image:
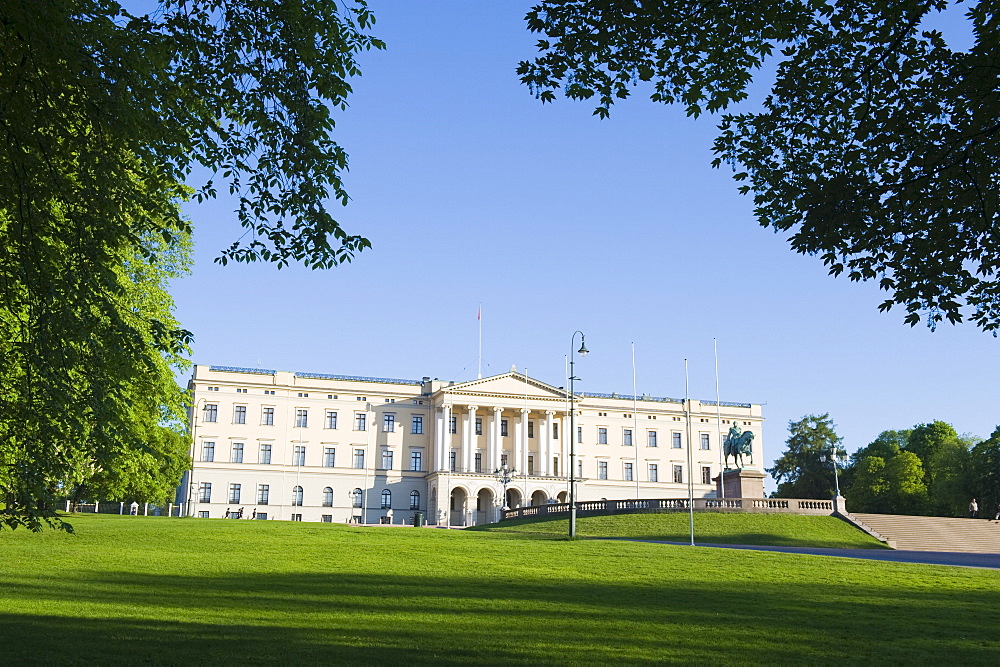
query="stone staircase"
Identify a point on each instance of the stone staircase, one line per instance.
(935, 533)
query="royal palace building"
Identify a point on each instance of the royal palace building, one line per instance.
(337, 448)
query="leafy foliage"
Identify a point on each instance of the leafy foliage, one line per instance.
(924, 470)
(877, 148)
(104, 115)
(800, 472)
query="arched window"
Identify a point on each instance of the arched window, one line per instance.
(414, 500)
(386, 499)
(328, 497)
(297, 495)
(356, 497)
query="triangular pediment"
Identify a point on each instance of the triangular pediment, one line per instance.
(508, 385)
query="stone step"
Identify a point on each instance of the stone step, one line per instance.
(927, 533)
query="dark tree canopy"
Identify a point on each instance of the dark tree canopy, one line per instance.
(103, 116)
(877, 147)
(800, 471)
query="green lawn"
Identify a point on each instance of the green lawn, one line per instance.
(135, 589)
(709, 528)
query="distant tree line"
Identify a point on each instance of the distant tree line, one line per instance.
(929, 469)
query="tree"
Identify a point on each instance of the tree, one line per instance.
(906, 492)
(804, 474)
(878, 147)
(887, 445)
(984, 473)
(104, 116)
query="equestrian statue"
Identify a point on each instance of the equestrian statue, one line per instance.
(737, 444)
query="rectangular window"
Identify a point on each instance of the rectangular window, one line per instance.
(416, 460)
(329, 457)
(452, 461)
(205, 492)
(360, 421)
(479, 425)
(555, 466)
(265, 454)
(555, 431)
(503, 459)
(627, 437)
(210, 412)
(452, 424)
(331, 419)
(531, 464)
(296, 517)
(236, 456)
(678, 474)
(579, 435)
(654, 472)
(299, 455)
(675, 439)
(651, 438)
(602, 470)
(531, 429)
(359, 458)
(387, 459)
(240, 414)
(327, 518)
(301, 418)
(704, 441)
(579, 469)
(208, 452)
(202, 515)
(706, 475)
(602, 436)
(234, 494)
(417, 425)
(262, 516)
(389, 423)
(628, 472)
(267, 417)
(479, 461)
(263, 493)
(503, 428)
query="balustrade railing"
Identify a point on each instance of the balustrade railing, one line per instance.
(638, 506)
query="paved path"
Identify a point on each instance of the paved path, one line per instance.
(990, 561)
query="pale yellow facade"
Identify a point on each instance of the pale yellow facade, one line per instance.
(318, 447)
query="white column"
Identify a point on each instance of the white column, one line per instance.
(468, 434)
(525, 444)
(547, 460)
(496, 442)
(439, 426)
(446, 439)
(564, 454)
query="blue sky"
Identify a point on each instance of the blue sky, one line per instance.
(472, 191)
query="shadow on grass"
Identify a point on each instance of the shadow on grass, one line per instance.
(104, 617)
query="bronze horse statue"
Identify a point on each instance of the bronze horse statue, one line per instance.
(738, 447)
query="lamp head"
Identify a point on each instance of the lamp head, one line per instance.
(583, 346)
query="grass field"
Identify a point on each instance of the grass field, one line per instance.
(710, 527)
(158, 590)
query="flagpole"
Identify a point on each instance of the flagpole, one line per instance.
(687, 411)
(635, 426)
(718, 424)
(479, 316)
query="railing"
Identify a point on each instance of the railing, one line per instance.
(652, 505)
(116, 507)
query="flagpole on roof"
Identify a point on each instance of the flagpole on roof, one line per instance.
(479, 316)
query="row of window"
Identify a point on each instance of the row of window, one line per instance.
(417, 425)
(416, 461)
(264, 496)
(653, 472)
(299, 456)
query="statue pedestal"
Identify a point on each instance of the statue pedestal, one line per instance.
(740, 483)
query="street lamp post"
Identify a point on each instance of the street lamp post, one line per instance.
(835, 457)
(504, 475)
(572, 427)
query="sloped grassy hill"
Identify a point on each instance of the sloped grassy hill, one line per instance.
(709, 528)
